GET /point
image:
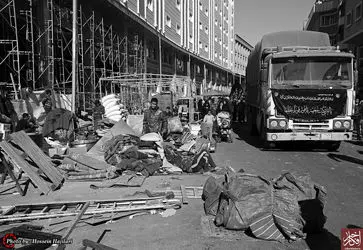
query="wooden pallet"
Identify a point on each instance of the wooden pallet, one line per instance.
(44, 163)
(9, 156)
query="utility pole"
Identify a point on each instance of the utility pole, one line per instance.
(74, 56)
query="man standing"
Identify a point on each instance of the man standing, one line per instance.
(154, 119)
(209, 120)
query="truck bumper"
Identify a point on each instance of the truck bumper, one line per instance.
(310, 136)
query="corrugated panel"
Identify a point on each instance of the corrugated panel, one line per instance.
(150, 16)
(172, 11)
(132, 5)
(142, 7)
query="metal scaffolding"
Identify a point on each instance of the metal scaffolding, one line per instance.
(35, 48)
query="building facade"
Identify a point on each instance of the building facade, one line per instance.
(194, 38)
(342, 20)
(241, 53)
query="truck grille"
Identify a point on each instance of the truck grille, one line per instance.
(311, 126)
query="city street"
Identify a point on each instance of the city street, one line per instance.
(340, 172)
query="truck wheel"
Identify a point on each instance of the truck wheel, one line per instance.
(333, 146)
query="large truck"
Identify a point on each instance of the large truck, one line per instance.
(300, 88)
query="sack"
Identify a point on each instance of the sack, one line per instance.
(175, 125)
(113, 113)
(112, 109)
(108, 97)
(153, 137)
(110, 104)
(115, 118)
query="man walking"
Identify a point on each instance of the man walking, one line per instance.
(154, 119)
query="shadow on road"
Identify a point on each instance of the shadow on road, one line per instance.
(360, 152)
(298, 146)
(323, 241)
(243, 135)
(339, 158)
(358, 143)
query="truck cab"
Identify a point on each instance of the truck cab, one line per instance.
(302, 91)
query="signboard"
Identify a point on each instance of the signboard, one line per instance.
(310, 105)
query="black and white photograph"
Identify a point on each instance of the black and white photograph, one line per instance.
(181, 124)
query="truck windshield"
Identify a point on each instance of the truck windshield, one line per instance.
(322, 71)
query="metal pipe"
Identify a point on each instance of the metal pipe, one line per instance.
(74, 56)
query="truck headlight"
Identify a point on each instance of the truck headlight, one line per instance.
(337, 124)
(282, 123)
(346, 124)
(273, 124)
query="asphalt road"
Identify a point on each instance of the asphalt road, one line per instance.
(339, 172)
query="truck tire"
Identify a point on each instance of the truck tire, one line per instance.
(333, 146)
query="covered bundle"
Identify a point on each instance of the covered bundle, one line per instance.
(287, 207)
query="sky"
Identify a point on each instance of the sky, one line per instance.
(255, 18)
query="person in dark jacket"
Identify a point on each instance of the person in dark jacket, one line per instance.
(26, 124)
(47, 101)
(154, 119)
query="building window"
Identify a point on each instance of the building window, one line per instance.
(178, 4)
(191, 36)
(349, 19)
(178, 29)
(358, 12)
(168, 21)
(200, 25)
(216, 38)
(150, 5)
(200, 45)
(328, 20)
(191, 15)
(206, 12)
(216, 7)
(200, 6)
(206, 29)
(206, 48)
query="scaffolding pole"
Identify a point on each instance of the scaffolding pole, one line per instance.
(74, 56)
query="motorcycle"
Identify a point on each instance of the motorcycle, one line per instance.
(224, 131)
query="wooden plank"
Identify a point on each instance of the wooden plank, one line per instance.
(9, 186)
(37, 155)
(89, 161)
(96, 246)
(21, 163)
(76, 220)
(184, 194)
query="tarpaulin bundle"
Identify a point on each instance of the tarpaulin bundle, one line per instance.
(117, 145)
(287, 207)
(200, 161)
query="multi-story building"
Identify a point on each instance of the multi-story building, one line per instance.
(193, 38)
(342, 20)
(324, 17)
(242, 50)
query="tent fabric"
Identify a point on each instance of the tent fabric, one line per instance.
(136, 123)
(119, 128)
